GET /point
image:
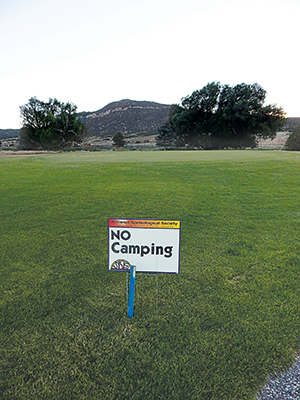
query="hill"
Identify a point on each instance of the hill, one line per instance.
(8, 133)
(291, 123)
(126, 116)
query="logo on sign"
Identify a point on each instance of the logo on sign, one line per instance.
(120, 265)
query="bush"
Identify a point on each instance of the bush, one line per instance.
(293, 141)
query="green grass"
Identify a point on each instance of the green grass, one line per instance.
(227, 321)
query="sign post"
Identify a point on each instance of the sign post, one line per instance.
(143, 245)
(131, 291)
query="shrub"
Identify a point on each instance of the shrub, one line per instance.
(119, 140)
(293, 141)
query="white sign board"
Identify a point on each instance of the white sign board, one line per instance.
(151, 245)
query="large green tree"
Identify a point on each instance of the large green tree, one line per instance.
(220, 116)
(50, 124)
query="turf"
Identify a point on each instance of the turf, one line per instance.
(224, 324)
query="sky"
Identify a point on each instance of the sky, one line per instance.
(94, 52)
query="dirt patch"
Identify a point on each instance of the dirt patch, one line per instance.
(277, 143)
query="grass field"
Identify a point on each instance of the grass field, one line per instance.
(227, 321)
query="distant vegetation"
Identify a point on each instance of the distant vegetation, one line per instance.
(221, 116)
(140, 122)
(50, 125)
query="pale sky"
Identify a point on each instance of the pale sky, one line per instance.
(94, 52)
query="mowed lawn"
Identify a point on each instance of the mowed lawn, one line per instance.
(227, 321)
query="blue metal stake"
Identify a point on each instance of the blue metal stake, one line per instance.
(131, 291)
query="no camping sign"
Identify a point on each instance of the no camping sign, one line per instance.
(151, 245)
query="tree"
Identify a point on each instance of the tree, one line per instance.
(293, 141)
(50, 124)
(219, 116)
(118, 139)
(166, 136)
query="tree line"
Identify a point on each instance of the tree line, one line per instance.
(221, 116)
(214, 117)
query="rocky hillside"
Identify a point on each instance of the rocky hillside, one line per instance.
(126, 116)
(291, 123)
(8, 133)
